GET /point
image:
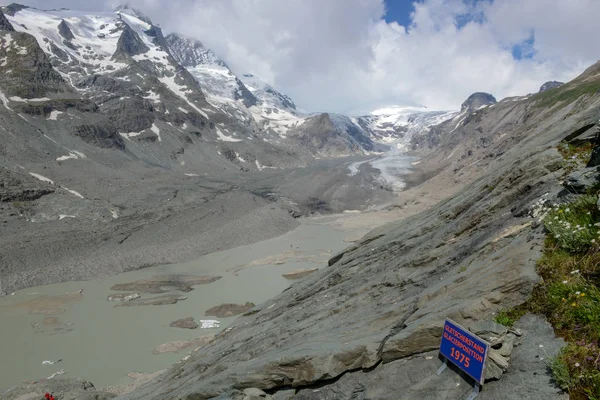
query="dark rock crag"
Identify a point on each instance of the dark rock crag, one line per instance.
(5, 25)
(550, 85)
(65, 31)
(477, 100)
(129, 44)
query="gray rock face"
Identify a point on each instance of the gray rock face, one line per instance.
(242, 93)
(581, 181)
(329, 135)
(17, 189)
(190, 52)
(477, 100)
(158, 38)
(65, 31)
(31, 73)
(283, 100)
(129, 44)
(104, 136)
(595, 157)
(550, 85)
(5, 25)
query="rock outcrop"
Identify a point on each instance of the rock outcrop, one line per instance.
(477, 101)
(65, 31)
(129, 44)
(550, 85)
(299, 273)
(228, 310)
(5, 25)
(184, 323)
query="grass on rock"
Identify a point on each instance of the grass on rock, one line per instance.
(569, 295)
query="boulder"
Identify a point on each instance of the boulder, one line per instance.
(581, 181)
(184, 323)
(228, 310)
(299, 273)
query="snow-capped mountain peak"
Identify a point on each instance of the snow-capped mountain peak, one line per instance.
(268, 96)
(222, 87)
(191, 52)
(398, 124)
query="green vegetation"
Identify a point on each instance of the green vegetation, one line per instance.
(504, 318)
(569, 295)
(566, 94)
(576, 155)
(573, 226)
(581, 152)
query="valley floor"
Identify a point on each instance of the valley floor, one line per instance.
(74, 322)
(166, 218)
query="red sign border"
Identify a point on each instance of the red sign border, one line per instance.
(485, 356)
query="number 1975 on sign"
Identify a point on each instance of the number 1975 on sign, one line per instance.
(460, 357)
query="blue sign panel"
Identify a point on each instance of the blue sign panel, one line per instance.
(465, 350)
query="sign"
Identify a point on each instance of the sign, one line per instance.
(465, 350)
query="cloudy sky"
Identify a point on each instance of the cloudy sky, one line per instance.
(353, 56)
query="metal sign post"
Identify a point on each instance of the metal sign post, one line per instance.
(465, 350)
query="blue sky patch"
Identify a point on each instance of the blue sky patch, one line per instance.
(525, 49)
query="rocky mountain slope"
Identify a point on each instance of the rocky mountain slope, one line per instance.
(113, 156)
(377, 310)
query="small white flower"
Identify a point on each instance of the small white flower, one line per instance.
(565, 282)
(567, 210)
(577, 364)
(593, 240)
(578, 293)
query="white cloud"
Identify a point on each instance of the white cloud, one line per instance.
(340, 55)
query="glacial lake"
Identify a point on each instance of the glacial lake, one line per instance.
(102, 343)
